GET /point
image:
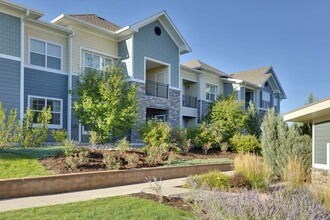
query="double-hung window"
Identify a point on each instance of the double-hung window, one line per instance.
(45, 54)
(265, 100)
(211, 91)
(36, 104)
(95, 61)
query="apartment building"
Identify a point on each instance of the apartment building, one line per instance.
(40, 63)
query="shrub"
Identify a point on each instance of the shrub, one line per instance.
(123, 145)
(157, 154)
(8, 127)
(254, 169)
(111, 162)
(155, 133)
(209, 136)
(34, 135)
(171, 157)
(279, 142)
(280, 204)
(70, 147)
(322, 192)
(72, 161)
(245, 143)
(224, 146)
(132, 160)
(238, 180)
(179, 138)
(212, 179)
(60, 135)
(94, 138)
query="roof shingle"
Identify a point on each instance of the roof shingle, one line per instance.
(96, 20)
(256, 76)
(197, 64)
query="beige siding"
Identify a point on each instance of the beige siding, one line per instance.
(93, 42)
(41, 32)
(189, 75)
(10, 12)
(209, 78)
(151, 73)
(191, 112)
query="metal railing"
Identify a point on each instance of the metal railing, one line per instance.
(189, 101)
(156, 89)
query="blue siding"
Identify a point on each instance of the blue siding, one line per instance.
(228, 89)
(74, 120)
(52, 85)
(10, 32)
(10, 84)
(123, 53)
(162, 48)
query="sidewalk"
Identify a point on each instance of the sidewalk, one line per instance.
(170, 187)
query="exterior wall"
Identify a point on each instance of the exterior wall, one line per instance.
(161, 48)
(172, 104)
(40, 32)
(192, 112)
(206, 107)
(74, 120)
(45, 84)
(189, 76)
(228, 89)
(10, 32)
(269, 90)
(10, 84)
(125, 56)
(151, 73)
(321, 138)
(209, 78)
(90, 41)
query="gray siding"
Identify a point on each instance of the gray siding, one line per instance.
(162, 48)
(321, 138)
(10, 32)
(123, 54)
(10, 84)
(228, 89)
(52, 85)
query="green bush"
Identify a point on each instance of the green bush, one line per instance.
(111, 162)
(238, 180)
(245, 144)
(8, 127)
(280, 142)
(34, 135)
(70, 147)
(123, 145)
(208, 136)
(213, 179)
(155, 133)
(179, 137)
(224, 147)
(132, 160)
(60, 135)
(157, 154)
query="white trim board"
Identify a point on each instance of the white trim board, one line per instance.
(9, 57)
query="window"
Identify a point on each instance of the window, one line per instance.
(210, 92)
(160, 118)
(36, 104)
(98, 62)
(45, 54)
(265, 99)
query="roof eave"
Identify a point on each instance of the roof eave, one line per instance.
(32, 13)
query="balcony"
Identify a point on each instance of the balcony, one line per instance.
(156, 89)
(189, 101)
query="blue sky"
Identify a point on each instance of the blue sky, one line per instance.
(292, 36)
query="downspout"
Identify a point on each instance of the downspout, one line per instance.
(21, 109)
(200, 96)
(69, 118)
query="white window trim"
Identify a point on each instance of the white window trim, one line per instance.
(83, 131)
(41, 67)
(215, 94)
(60, 126)
(95, 54)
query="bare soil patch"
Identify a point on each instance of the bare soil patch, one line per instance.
(95, 160)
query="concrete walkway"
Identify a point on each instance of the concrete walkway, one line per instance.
(169, 188)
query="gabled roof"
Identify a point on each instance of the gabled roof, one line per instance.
(98, 21)
(256, 76)
(259, 77)
(118, 33)
(199, 65)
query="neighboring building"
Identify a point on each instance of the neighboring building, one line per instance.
(317, 114)
(40, 63)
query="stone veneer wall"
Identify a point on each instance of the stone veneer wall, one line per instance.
(172, 104)
(321, 178)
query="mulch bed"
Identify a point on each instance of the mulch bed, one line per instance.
(176, 202)
(59, 165)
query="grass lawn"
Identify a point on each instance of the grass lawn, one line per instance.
(122, 207)
(180, 162)
(21, 162)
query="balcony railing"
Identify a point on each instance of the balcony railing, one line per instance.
(156, 89)
(189, 101)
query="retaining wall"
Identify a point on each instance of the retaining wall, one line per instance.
(32, 186)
